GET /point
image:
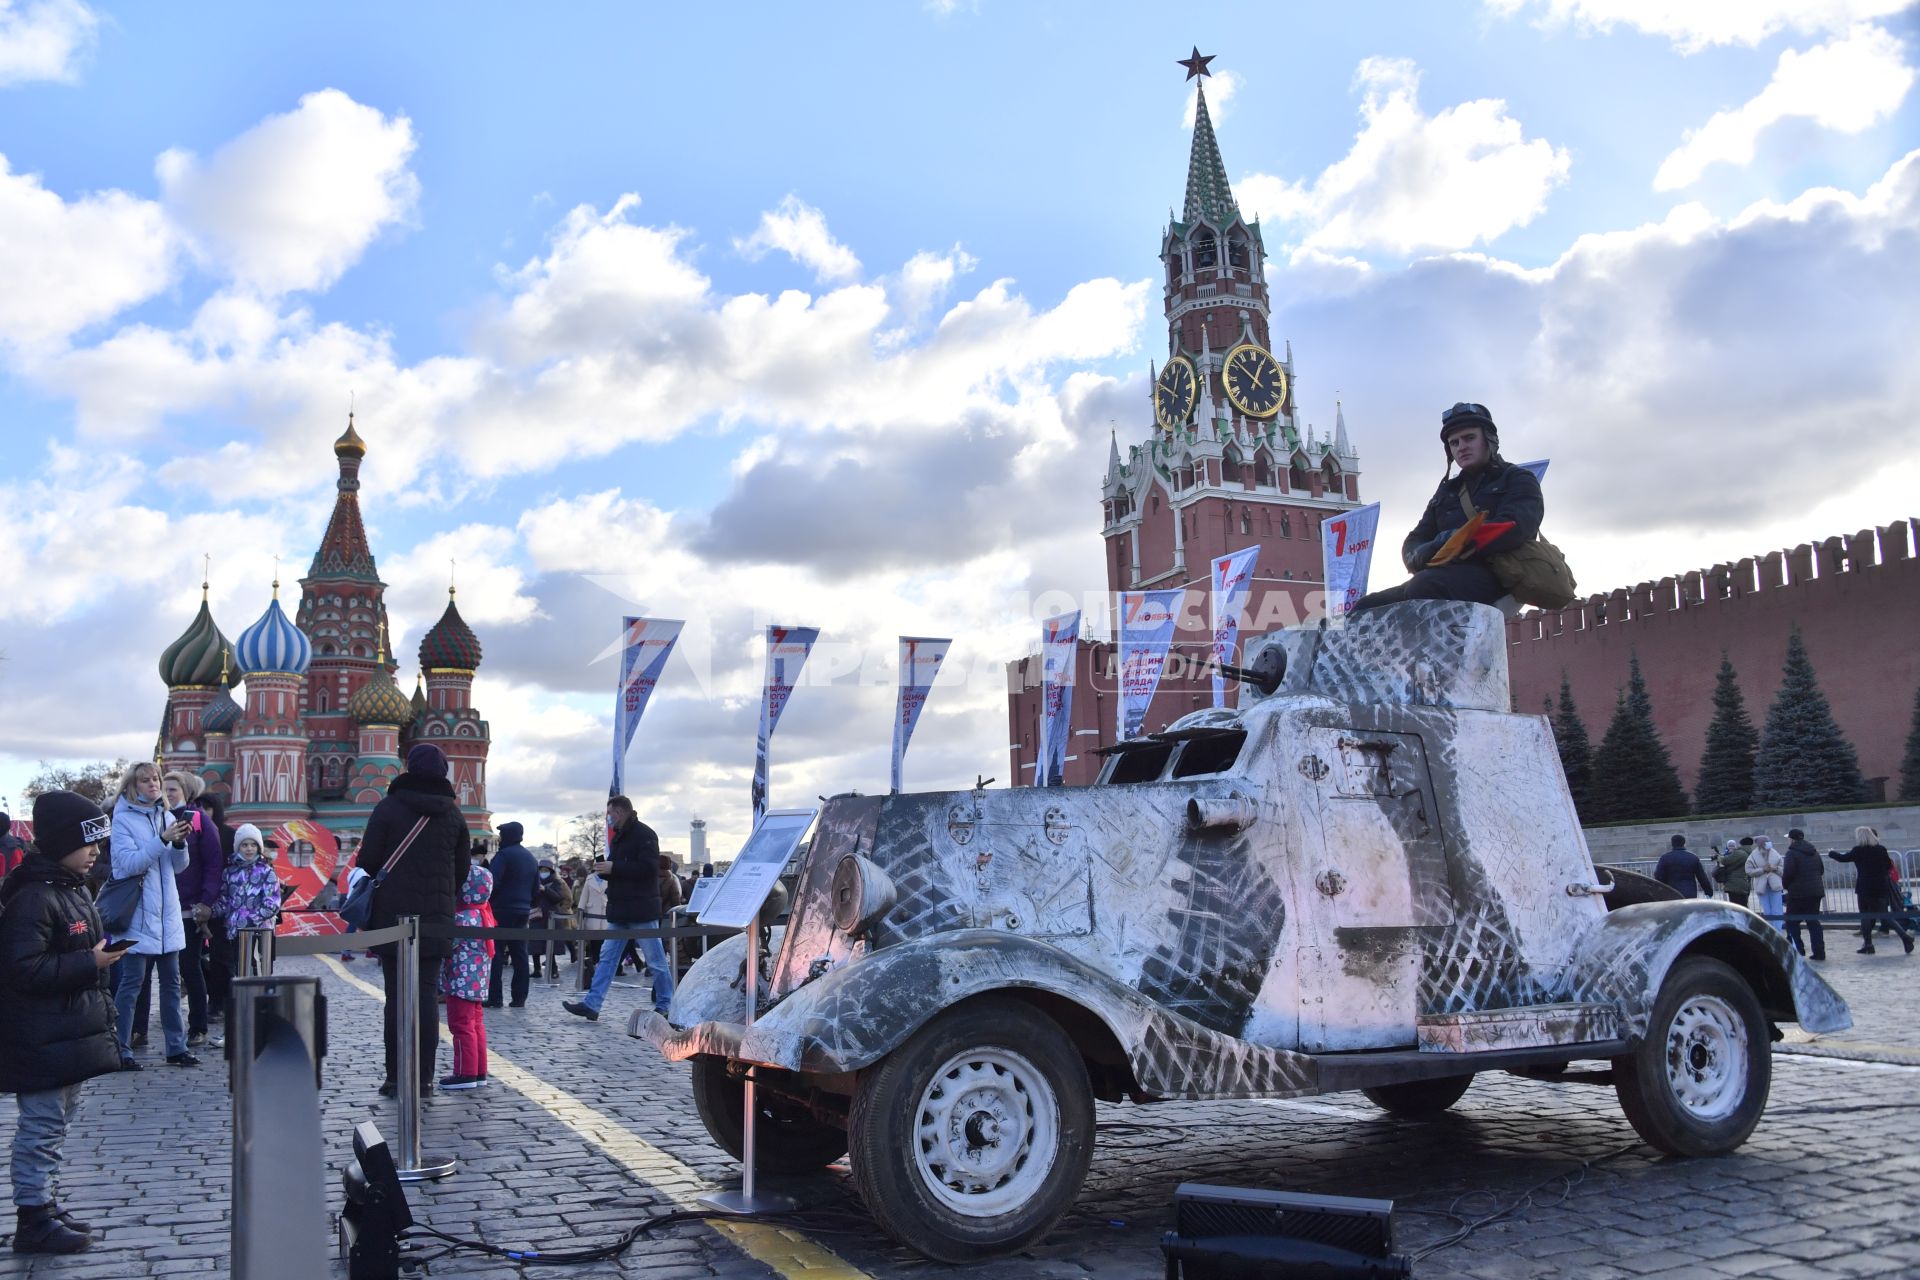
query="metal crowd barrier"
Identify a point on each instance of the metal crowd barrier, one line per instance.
(276, 1037)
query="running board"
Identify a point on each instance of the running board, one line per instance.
(1528, 1027)
(1338, 1072)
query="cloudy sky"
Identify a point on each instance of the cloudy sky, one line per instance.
(822, 314)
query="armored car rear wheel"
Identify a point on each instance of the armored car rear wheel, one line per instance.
(786, 1137)
(973, 1137)
(1419, 1099)
(1697, 1083)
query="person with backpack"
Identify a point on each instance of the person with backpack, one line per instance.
(1730, 869)
(59, 1023)
(417, 828)
(1479, 525)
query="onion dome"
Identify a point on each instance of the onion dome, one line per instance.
(379, 700)
(195, 657)
(221, 714)
(350, 445)
(273, 644)
(450, 645)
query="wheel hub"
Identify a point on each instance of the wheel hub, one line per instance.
(986, 1128)
(1708, 1056)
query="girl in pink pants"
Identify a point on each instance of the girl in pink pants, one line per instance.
(463, 978)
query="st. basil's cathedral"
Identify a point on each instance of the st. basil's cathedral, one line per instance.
(321, 726)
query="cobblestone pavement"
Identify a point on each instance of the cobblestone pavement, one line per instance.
(584, 1132)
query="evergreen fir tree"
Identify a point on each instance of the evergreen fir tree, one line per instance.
(1576, 751)
(1726, 766)
(1910, 767)
(1633, 776)
(1804, 761)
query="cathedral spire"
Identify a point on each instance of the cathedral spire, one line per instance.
(1208, 194)
(344, 551)
(1341, 445)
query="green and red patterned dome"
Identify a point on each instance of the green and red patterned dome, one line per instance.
(450, 644)
(194, 659)
(221, 714)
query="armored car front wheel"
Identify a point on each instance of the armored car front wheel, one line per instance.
(1697, 1082)
(973, 1137)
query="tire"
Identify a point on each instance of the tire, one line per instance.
(1419, 1099)
(1697, 1083)
(786, 1139)
(973, 1137)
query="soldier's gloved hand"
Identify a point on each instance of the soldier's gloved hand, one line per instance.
(1418, 557)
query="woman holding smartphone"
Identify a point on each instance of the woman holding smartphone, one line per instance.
(150, 843)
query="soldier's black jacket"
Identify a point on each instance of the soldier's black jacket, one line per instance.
(1502, 490)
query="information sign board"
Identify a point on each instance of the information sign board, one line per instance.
(747, 883)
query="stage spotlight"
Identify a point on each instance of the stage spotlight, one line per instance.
(376, 1211)
(1238, 1233)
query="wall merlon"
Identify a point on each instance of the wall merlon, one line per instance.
(1893, 543)
(1800, 564)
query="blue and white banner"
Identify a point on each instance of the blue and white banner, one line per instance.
(645, 644)
(1147, 620)
(1539, 468)
(1059, 644)
(1346, 559)
(1232, 580)
(787, 650)
(920, 659)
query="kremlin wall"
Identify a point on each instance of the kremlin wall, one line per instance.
(1855, 599)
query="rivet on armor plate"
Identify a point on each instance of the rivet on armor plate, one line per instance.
(1313, 767)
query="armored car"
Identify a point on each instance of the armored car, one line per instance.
(1366, 876)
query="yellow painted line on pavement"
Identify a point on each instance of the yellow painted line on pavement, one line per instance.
(785, 1250)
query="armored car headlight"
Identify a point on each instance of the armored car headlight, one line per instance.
(862, 894)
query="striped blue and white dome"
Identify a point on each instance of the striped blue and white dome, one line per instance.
(273, 643)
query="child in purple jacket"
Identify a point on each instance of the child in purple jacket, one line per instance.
(250, 895)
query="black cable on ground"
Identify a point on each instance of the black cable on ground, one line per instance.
(1519, 1207)
(808, 1217)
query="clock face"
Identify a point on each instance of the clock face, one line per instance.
(1173, 394)
(1255, 382)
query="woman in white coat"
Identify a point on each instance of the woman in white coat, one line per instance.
(149, 842)
(1764, 866)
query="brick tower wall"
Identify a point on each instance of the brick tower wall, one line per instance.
(1856, 601)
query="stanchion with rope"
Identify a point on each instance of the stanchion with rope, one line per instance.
(413, 1167)
(275, 1041)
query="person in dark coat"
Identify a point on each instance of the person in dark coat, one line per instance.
(424, 882)
(1873, 882)
(13, 850)
(632, 868)
(1680, 870)
(512, 902)
(58, 1020)
(1803, 879)
(1505, 494)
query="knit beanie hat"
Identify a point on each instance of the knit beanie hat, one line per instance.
(63, 821)
(426, 760)
(245, 832)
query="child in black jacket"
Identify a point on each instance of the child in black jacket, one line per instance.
(54, 1007)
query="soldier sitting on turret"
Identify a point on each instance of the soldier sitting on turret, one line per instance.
(1490, 507)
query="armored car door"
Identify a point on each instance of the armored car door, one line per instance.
(1369, 886)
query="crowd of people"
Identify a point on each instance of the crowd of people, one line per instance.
(158, 886)
(1788, 887)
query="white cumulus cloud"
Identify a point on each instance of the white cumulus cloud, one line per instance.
(44, 39)
(1846, 85)
(799, 230)
(1414, 182)
(1693, 25)
(68, 264)
(293, 202)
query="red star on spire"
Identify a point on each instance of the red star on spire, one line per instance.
(1196, 65)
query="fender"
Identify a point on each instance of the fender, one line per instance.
(857, 1014)
(1624, 959)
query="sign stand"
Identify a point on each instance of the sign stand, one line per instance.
(735, 903)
